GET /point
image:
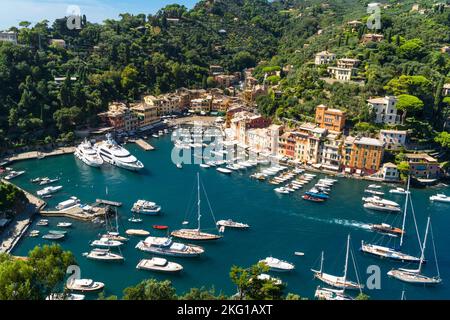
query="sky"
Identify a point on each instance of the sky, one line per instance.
(14, 11)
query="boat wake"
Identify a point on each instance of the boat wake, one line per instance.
(343, 222)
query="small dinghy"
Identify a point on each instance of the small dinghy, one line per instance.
(135, 220)
(158, 227)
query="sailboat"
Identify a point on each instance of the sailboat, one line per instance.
(113, 233)
(414, 275)
(335, 281)
(196, 234)
(393, 253)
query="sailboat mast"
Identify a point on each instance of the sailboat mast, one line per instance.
(404, 212)
(346, 260)
(321, 263)
(422, 256)
(198, 202)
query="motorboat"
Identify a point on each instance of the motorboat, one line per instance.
(159, 264)
(34, 233)
(267, 277)
(224, 170)
(374, 186)
(231, 224)
(48, 190)
(146, 207)
(64, 225)
(87, 153)
(84, 285)
(277, 265)
(381, 207)
(313, 199)
(398, 191)
(106, 243)
(378, 193)
(57, 232)
(378, 200)
(137, 232)
(387, 229)
(205, 166)
(113, 235)
(53, 236)
(46, 181)
(160, 227)
(166, 246)
(440, 198)
(135, 220)
(281, 190)
(103, 255)
(65, 296)
(42, 223)
(331, 294)
(114, 154)
(14, 174)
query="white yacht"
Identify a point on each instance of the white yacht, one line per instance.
(146, 207)
(379, 200)
(87, 153)
(277, 265)
(440, 198)
(165, 246)
(106, 243)
(398, 191)
(114, 154)
(159, 264)
(48, 190)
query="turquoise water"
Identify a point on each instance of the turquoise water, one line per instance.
(280, 224)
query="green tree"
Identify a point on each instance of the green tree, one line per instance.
(252, 287)
(443, 138)
(150, 289)
(409, 104)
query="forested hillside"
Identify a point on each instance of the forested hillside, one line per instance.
(125, 58)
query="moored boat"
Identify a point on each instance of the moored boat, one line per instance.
(381, 207)
(84, 285)
(106, 243)
(159, 264)
(232, 224)
(48, 190)
(103, 255)
(146, 207)
(14, 174)
(64, 225)
(224, 170)
(87, 153)
(53, 236)
(137, 232)
(166, 246)
(440, 198)
(278, 265)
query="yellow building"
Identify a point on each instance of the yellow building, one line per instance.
(146, 111)
(362, 155)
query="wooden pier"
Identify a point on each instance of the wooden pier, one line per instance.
(109, 203)
(144, 145)
(76, 213)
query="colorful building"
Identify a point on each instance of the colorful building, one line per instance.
(421, 165)
(362, 155)
(331, 119)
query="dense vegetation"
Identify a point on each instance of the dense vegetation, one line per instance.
(10, 197)
(122, 59)
(36, 277)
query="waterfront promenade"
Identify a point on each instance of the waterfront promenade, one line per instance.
(11, 234)
(36, 154)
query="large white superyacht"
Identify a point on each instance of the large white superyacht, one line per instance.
(87, 153)
(111, 152)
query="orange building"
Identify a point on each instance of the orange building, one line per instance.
(362, 155)
(331, 119)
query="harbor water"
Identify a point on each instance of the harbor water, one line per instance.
(279, 224)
